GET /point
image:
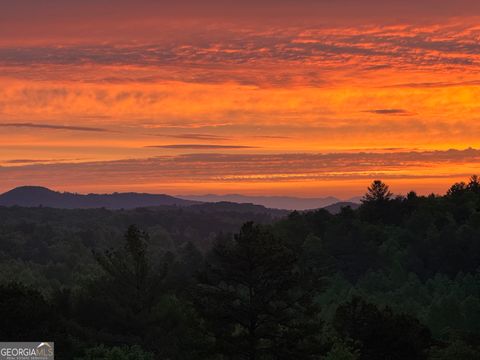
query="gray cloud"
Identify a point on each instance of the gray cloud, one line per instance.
(438, 84)
(216, 168)
(388, 111)
(37, 161)
(366, 48)
(272, 137)
(194, 136)
(53, 127)
(25, 161)
(201, 147)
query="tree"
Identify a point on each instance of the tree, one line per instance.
(116, 353)
(130, 276)
(378, 191)
(474, 184)
(378, 205)
(381, 334)
(259, 304)
(457, 350)
(25, 314)
(457, 189)
(341, 351)
(129, 304)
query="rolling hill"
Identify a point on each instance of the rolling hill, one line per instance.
(34, 196)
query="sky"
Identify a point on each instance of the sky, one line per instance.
(303, 98)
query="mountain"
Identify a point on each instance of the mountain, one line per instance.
(34, 196)
(276, 202)
(276, 206)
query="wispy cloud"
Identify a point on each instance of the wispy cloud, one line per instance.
(206, 137)
(26, 161)
(201, 147)
(53, 127)
(388, 111)
(272, 137)
(249, 168)
(438, 84)
(365, 48)
(40, 161)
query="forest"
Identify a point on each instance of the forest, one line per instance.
(398, 279)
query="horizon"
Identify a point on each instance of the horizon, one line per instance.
(159, 193)
(304, 99)
(352, 198)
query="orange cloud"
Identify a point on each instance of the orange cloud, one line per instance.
(272, 91)
(309, 173)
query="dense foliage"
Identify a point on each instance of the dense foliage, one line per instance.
(396, 279)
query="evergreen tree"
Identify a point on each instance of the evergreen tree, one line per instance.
(130, 275)
(381, 334)
(258, 302)
(378, 191)
(474, 184)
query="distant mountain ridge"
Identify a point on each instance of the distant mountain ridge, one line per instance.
(273, 202)
(34, 196)
(233, 207)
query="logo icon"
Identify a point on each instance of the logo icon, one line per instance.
(27, 351)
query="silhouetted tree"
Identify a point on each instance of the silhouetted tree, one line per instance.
(131, 278)
(116, 353)
(457, 189)
(457, 350)
(474, 184)
(25, 314)
(378, 205)
(378, 191)
(130, 305)
(381, 334)
(258, 302)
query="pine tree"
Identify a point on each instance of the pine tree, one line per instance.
(378, 191)
(259, 303)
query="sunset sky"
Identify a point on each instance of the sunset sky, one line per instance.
(304, 97)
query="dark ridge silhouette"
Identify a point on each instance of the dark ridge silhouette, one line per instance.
(243, 208)
(34, 196)
(275, 202)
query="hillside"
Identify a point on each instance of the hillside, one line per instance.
(34, 196)
(275, 202)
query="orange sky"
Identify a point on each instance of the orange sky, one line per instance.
(290, 97)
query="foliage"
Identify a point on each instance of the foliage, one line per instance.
(257, 301)
(381, 334)
(116, 353)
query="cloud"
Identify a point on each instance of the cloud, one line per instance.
(194, 136)
(439, 84)
(38, 161)
(388, 111)
(221, 49)
(272, 137)
(54, 127)
(25, 161)
(248, 168)
(201, 147)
